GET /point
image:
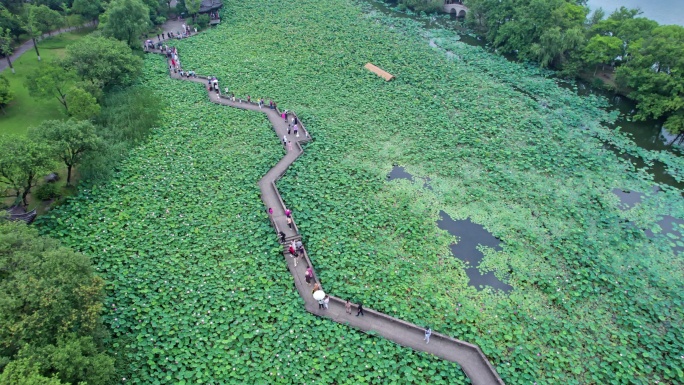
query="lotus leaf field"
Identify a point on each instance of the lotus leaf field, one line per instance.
(197, 288)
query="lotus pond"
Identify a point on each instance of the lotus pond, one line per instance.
(596, 288)
(197, 288)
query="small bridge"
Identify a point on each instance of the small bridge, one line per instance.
(455, 7)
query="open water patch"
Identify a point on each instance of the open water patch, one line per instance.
(471, 235)
(399, 172)
(628, 199)
(672, 228)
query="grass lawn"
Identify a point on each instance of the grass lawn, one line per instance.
(26, 111)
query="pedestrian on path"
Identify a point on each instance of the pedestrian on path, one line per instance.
(289, 128)
(282, 237)
(289, 223)
(296, 130)
(308, 275)
(288, 213)
(270, 212)
(284, 116)
(294, 256)
(321, 304)
(284, 140)
(289, 146)
(360, 311)
(300, 247)
(347, 307)
(326, 301)
(249, 99)
(293, 249)
(428, 333)
(316, 288)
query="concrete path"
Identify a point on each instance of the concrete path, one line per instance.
(29, 44)
(468, 356)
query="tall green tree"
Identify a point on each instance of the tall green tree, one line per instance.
(44, 19)
(71, 140)
(51, 80)
(22, 162)
(89, 9)
(656, 76)
(9, 19)
(32, 25)
(83, 105)
(6, 94)
(50, 328)
(6, 46)
(126, 20)
(624, 25)
(601, 50)
(102, 61)
(193, 7)
(545, 31)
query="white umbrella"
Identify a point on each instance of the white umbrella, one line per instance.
(318, 295)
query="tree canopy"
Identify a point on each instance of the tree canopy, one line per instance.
(6, 94)
(71, 140)
(22, 162)
(89, 9)
(126, 20)
(51, 80)
(50, 330)
(103, 61)
(655, 73)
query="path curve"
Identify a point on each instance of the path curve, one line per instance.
(27, 45)
(471, 359)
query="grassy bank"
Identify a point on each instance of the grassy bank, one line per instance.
(26, 111)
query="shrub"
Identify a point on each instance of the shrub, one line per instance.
(47, 191)
(203, 21)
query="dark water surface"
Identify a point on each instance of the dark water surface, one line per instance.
(471, 235)
(670, 227)
(399, 172)
(628, 199)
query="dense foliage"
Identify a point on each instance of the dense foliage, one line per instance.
(558, 33)
(50, 328)
(197, 288)
(501, 144)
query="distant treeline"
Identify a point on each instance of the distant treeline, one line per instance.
(631, 54)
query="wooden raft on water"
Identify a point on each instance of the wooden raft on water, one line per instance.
(383, 74)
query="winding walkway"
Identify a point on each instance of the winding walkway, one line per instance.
(471, 359)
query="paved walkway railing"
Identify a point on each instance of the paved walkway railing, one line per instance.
(471, 359)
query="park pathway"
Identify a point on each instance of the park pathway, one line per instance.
(471, 359)
(27, 45)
